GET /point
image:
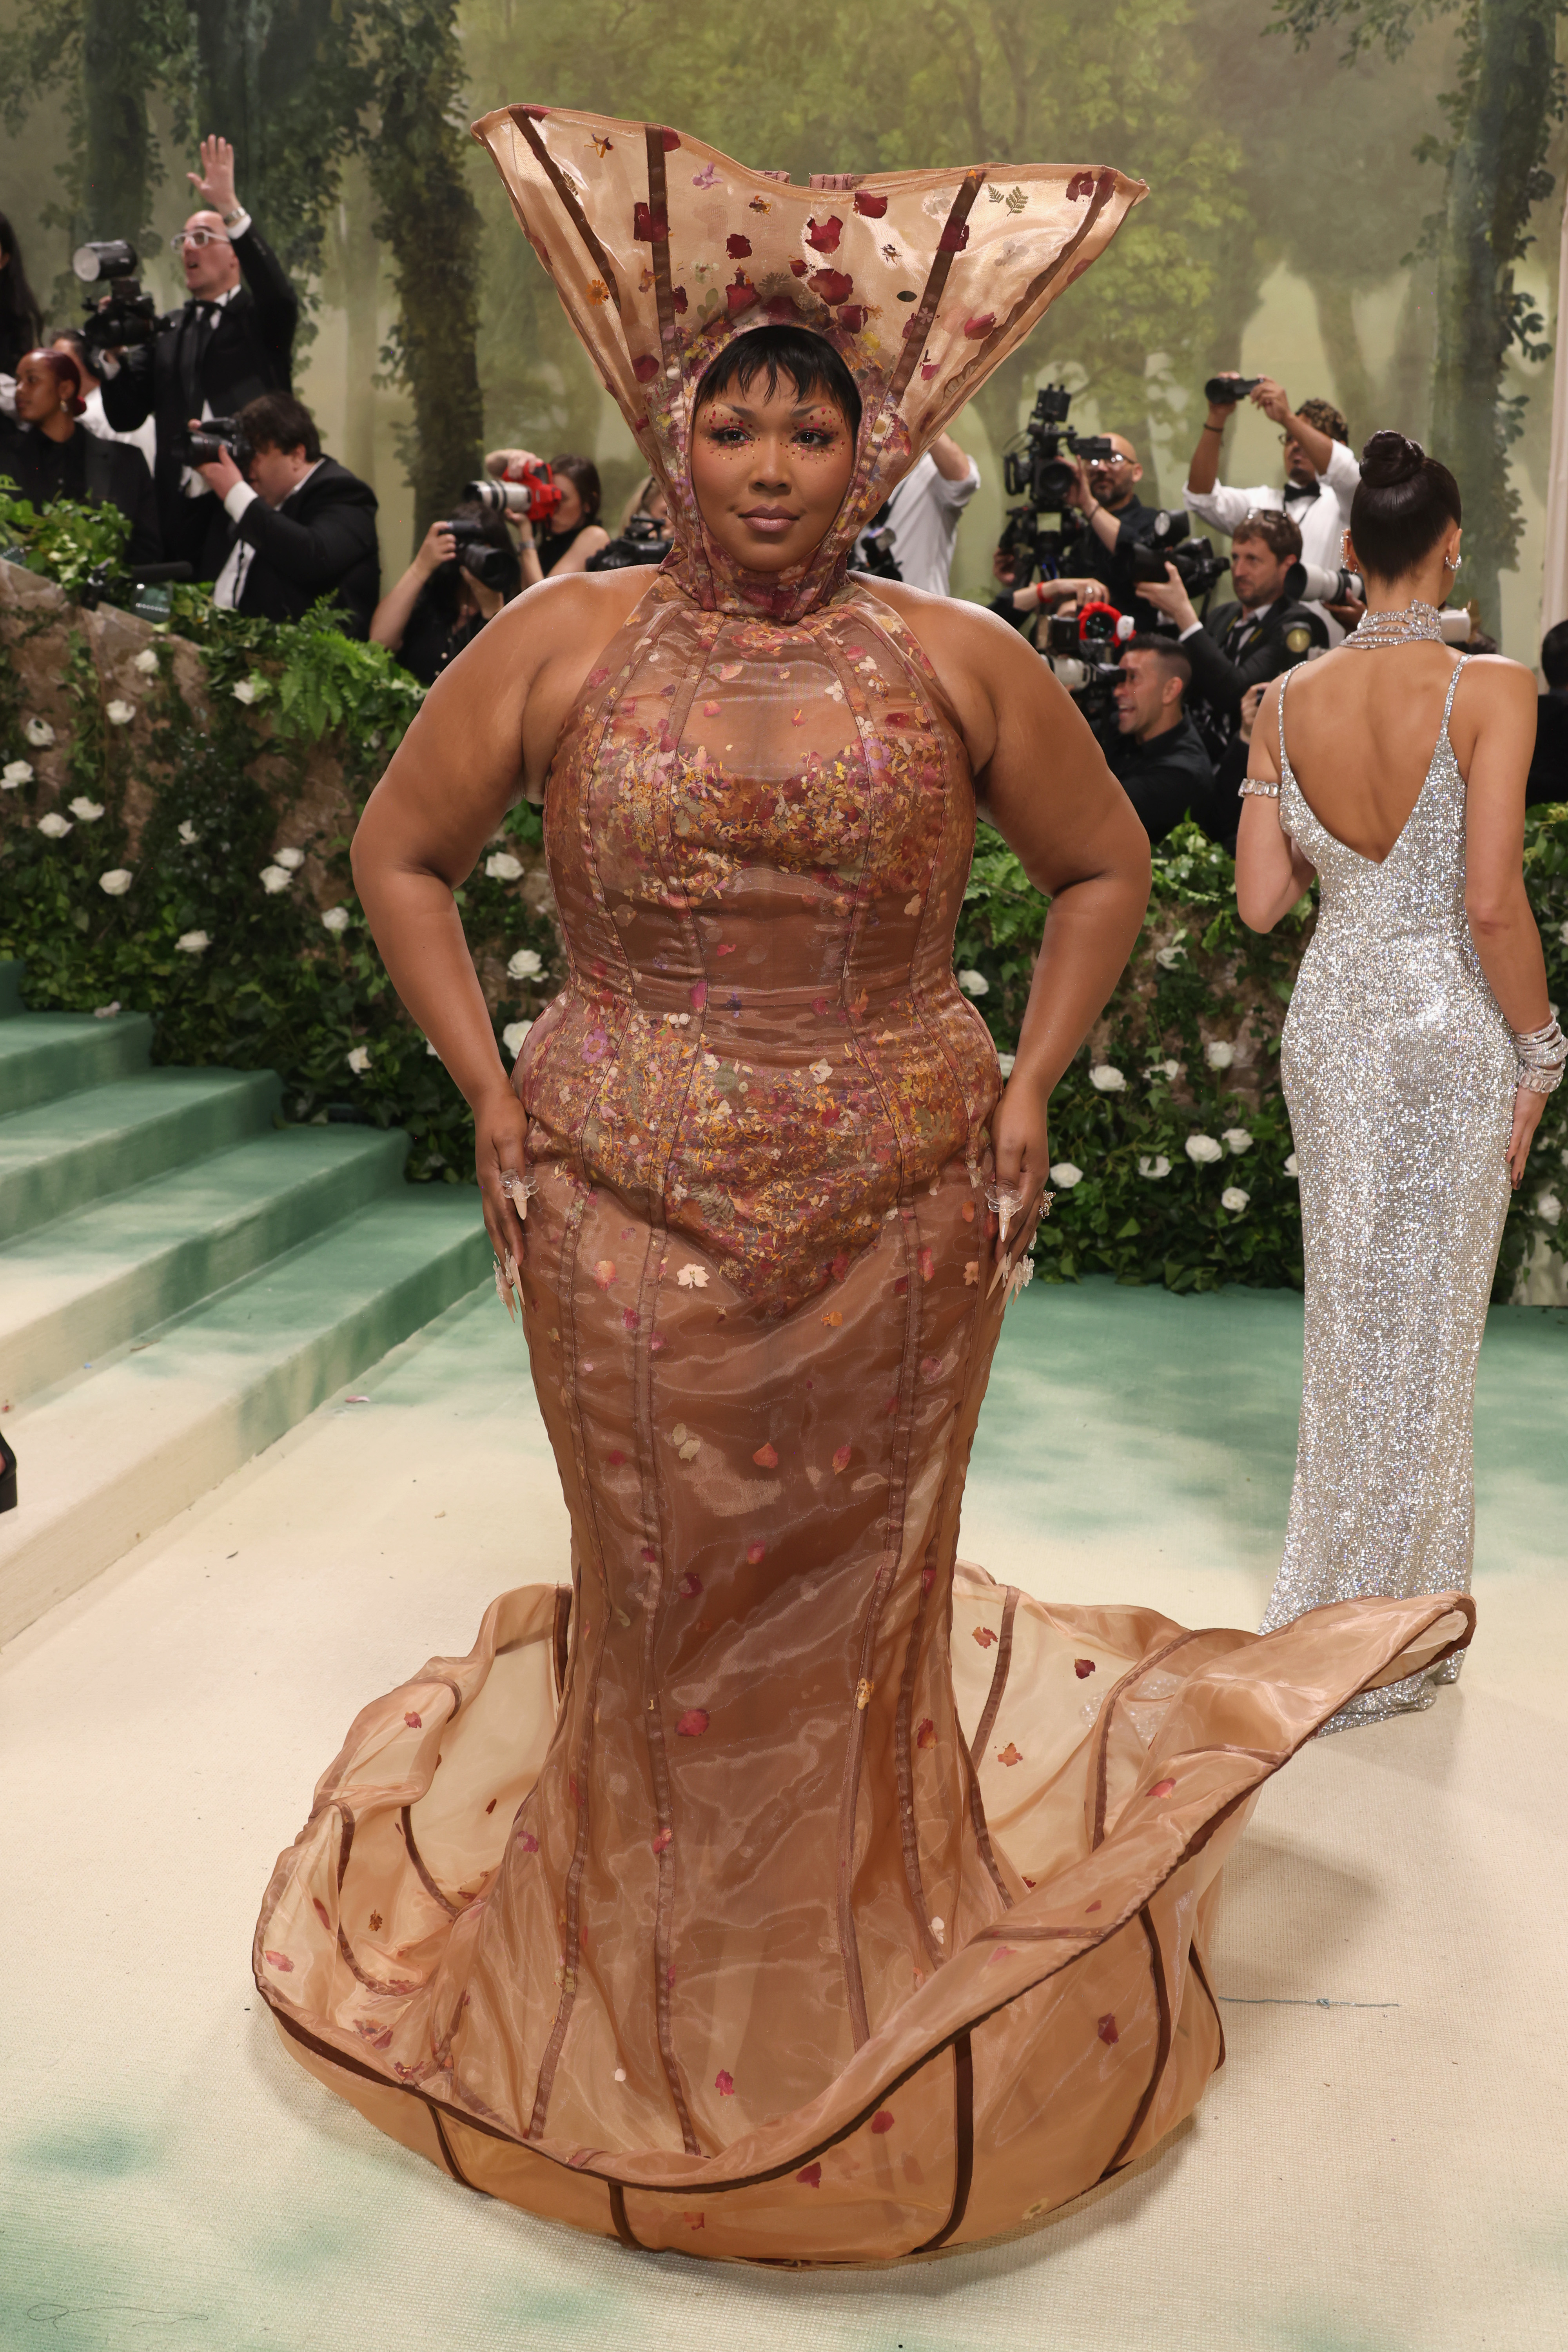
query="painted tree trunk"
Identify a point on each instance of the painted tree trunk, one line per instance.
(115, 198)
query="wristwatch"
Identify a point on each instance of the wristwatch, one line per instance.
(237, 213)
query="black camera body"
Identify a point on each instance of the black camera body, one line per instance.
(205, 445)
(1043, 479)
(129, 316)
(1078, 649)
(493, 567)
(1224, 391)
(1197, 566)
(645, 539)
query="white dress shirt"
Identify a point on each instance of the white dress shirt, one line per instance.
(1322, 519)
(922, 516)
(229, 585)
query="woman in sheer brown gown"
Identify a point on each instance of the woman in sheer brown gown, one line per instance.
(780, 1888)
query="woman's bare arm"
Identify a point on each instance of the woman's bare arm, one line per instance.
(1493, 729)
(485, 732)
(1271, 874)
(1057, 804)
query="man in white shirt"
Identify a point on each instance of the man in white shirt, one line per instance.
(923, 511)
(1321, 479)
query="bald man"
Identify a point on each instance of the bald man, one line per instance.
(1114, 520)
(233, 340)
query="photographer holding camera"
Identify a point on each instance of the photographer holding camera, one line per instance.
(1115, 521)
(465, 571)
(1321, 478)
(1245, 643)
(231, 341)
(300, 526)
(1157, 755)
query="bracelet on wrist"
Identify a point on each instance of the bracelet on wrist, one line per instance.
(1542, 1055)
(1215, 429)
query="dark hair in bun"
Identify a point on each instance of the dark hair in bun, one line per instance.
(1405, 502)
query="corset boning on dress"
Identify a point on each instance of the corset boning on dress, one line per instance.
(759, 840)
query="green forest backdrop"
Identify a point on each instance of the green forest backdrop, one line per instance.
(1357, 195)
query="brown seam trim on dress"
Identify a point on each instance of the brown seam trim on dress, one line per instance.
(988, 1723)
(624, 2230)
(963, 2142)
(571, 1947)
(453, 2166)
(908, 1831)
(1102, 1730)
(1196, 1959)
(346, 1840)
(658, 201)
(559, 1636)
(345, 1950)
(886, 2091)
(1036, 287)
(417, 1858)
(653, 1720)
(926, 309)
(574, 210)
(977, 1821)
(1162, 2047)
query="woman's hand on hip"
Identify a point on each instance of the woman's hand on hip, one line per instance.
(1021, 1144)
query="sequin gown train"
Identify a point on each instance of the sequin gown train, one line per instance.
(1399, 1070)
(781, 1888)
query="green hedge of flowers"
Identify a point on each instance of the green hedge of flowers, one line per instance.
(177, 870)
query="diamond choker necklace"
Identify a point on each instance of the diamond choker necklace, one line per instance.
(1415, 622)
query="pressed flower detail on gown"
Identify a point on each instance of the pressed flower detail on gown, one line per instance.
(781, 1888)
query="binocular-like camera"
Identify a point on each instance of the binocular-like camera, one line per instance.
(128, 316)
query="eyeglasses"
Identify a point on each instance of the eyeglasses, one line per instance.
(1115, 458)
(199, 237)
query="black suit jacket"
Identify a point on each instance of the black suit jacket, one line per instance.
(320, 541)
(1166, 778)
(1284, 636)
(113, 475)
(1086, 557)
(247, 350)
(1548, 765)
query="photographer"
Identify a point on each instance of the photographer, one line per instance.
(573, 533)
(922, 515)
(440, 604)
(1321, 479)
(1157, 754)
(300, 526)
(1021, 607)
(229, 343)
(645, 536)
(1245, 643)
(50, 455)
(1115, 520)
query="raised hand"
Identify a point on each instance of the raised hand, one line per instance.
(215, 183)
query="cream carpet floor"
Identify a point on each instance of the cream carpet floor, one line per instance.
(1380, 2167)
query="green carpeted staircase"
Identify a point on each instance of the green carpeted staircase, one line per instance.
(180, 1281)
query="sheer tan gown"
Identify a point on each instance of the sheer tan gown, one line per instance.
(779, 1888)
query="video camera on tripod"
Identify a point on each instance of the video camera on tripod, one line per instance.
(129, 316)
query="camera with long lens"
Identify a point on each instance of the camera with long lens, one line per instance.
(1312, 583)
(220, 436)
(533, 494)
(1198, 567)
(645, 539)
(129, 316)
(1084, 650)
(1224, 391)
(493, 567)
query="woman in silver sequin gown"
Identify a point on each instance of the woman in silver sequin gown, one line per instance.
(1401, 1072)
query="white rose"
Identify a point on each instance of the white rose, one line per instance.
(1234, 1199)
(120, 713)
(527, 963)
(39, 733)
(1064, 1175)
(1168, 1070)
(274, 879)
(193, 943)
(146, 661)
(1549, 1207)
(1237, 1139)
(116, 882)
(974, 984)
(336, 919)
(89, 811)
(15, 773)
(502, 866)
(106, 1012)
(1291, 1166)
(1218, 1054)
(1156, 1168)
(430, 1050)
(292, 858)
(513, 1035)
(1204, 1149)
(359, 1060)
(247, 689)
(188, 832)
(1004, 1063)
(1106, 1080)
(55, 827)
(1170, 957)
(1562, 933)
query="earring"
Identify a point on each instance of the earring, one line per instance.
(1453, 562)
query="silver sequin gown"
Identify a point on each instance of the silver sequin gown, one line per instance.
(1399, 1070)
